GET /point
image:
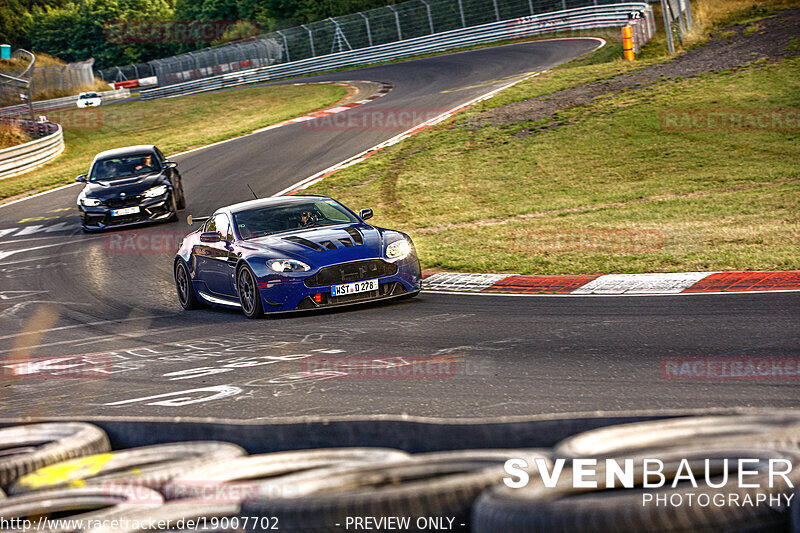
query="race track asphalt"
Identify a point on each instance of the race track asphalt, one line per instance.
(108, 318)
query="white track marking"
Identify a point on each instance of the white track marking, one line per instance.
(660, 283)
(10, 295)
(8, 253)
(32, 230)
(39, 194)
(180, 398)
(456, 281)
(39, 258)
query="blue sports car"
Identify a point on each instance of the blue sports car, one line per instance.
(293, 253)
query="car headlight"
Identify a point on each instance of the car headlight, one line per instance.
(161, 190)
(91, 202)
(287, 265)
(398, 249)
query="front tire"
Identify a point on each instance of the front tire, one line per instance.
(249, 294)
(181, 196)
(183, 283)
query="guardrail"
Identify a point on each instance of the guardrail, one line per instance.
(60, 103)
(19, 159)
(605, 16)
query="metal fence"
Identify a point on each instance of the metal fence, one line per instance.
(59, 103)
(390, 24)
(608, 16)
(677, 20)
(51, 79)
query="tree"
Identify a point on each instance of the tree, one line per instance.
(90, 28)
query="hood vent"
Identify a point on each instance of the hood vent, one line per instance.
(356, 235)
(329, 245)
(305, 242)
(347, 242)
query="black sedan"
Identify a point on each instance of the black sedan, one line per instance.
(129, 186)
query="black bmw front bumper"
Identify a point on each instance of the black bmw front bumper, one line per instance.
(150, 210)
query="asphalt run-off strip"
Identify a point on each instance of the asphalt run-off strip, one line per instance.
(615, 284)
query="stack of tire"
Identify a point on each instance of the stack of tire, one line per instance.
(68, 471)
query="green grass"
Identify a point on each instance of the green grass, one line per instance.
(715, 200)
(173, 124)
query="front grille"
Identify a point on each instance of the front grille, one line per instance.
(385, 290)
(350, 272)
(117, 203)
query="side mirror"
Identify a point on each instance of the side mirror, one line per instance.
(209, 236)
(81, 178)
(365, 214)
(170, 164)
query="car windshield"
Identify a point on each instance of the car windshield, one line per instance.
(291, 215)
(89, 95)
(120, 167)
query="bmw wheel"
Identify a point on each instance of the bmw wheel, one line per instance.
(181, 196)
(186, 294)
(249, 294)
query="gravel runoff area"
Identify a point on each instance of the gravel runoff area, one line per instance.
(731, 47)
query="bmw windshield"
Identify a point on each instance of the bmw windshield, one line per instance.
(291, 215)
(125, 166)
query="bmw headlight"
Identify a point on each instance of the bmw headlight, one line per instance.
(155, 192)
(91, 202)
(287, 265)
(398, 249)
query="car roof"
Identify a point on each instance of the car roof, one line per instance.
(127, 150)
(262, 202)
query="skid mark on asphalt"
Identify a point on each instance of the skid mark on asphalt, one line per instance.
(84, 325)
(200, 359)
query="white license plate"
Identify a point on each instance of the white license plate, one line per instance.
(353, 288)
(125, 211)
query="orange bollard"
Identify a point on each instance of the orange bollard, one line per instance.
(627, 42)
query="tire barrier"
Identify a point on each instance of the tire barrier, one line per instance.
(669, 433)
(68, 470)
(40, 445)
(112, 501)
(149, 466)
(565, 508)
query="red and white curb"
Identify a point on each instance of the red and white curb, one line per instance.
(616, 284)
(383, 91)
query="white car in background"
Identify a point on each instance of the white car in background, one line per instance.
(89, 100)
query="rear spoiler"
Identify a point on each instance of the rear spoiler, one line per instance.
(190, 220)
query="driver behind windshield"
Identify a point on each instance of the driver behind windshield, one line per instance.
(306, 219)
(145, 165)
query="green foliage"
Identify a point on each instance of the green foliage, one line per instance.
(79, 30)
